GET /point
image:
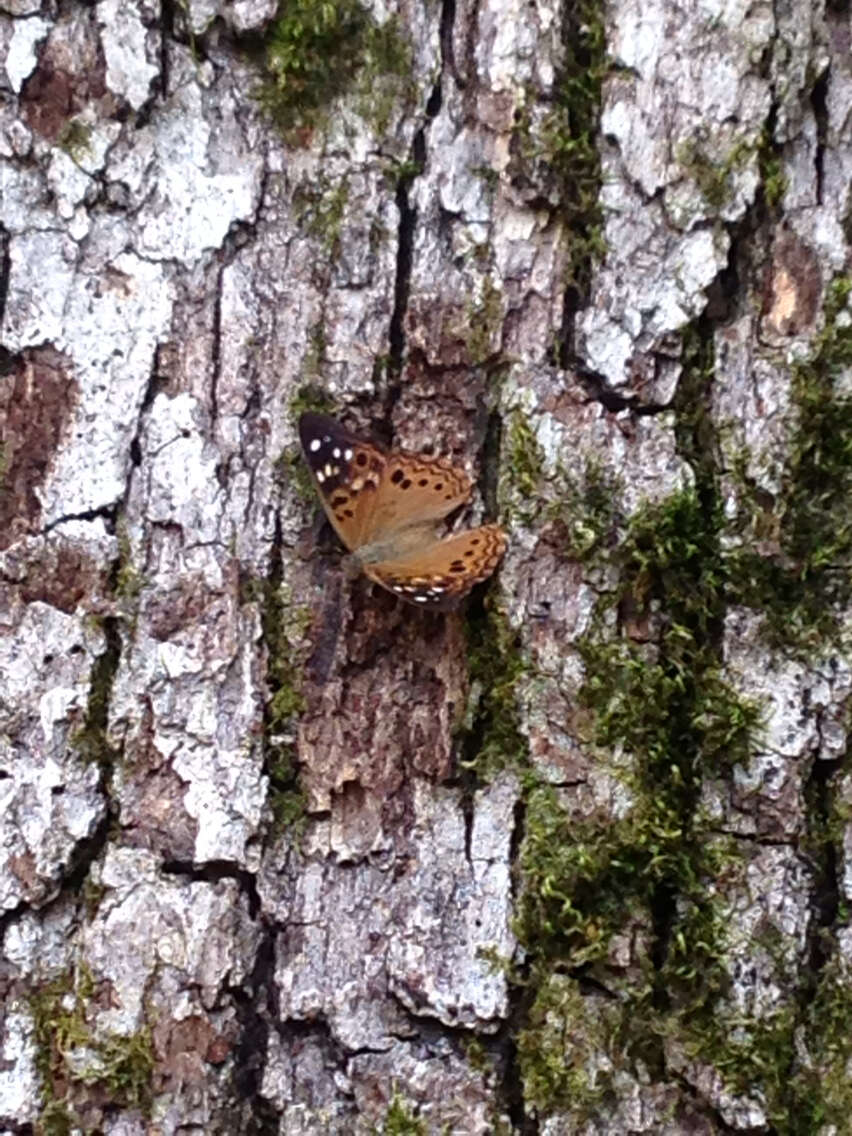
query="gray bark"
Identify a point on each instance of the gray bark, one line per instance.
(283, 855)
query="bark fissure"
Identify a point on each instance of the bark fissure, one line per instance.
(167, 33)
(5, 266)
(256, 1010)
(408, 218)
(216, 345)
(819, 105)
(212, 871)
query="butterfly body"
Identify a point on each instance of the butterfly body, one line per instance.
(385, 506)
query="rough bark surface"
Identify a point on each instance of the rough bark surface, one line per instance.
(280, 855)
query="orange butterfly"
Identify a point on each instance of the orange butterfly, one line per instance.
(384, 507)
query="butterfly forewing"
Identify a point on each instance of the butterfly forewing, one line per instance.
(415, 488)
(347, 472)
(444, 571)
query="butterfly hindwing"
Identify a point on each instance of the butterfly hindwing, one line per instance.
(444, 571)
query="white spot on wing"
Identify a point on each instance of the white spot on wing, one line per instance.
(315, 445)
(347, 454)
(335, 453)
(420, 599)
(320, 476)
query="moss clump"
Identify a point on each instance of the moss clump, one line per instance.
(586, 513)
(285, 628)
(483, 321)
(821, 1088)
(714, 177)
(319, 210)
(565, 1050)
(495, 667)
(128, 579)
(802, 577)
(523, 462)
(75, 138)
(656, 695)
(401, 1120)
(316, 51)
(91, 740)
(670, 704)
(772, 177)
(120, 1068)
(563, 149)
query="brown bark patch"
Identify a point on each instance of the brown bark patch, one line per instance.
(37, 398)
(180, 1044)
(71, 73)
(385, 716)
(153, 813)
(795, 286)
(62, 576)
(185, 605)
(23, 868)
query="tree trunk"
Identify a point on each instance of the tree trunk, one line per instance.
(283, 854)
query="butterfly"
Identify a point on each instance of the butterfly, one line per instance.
(384, 507)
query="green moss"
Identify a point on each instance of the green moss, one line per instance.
(800, 573)
(285, 631)
(119, 1069)
(656, 697)
(820, 1092)
(385, 81)
(401, 1120)
(483, 320)
(91, 741)
(75, 138)
(772, 177)
(319, 210)
(495, 667)
(317, 51)
(564, 1052)
(714, 178)
(400, 170)
(127, 579)
(124, 1067)
(586, 513)
(523, 462)
(309, 395)
(563, 147)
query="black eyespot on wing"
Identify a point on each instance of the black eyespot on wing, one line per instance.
(397, 476)
(406, 483)
(361, 458)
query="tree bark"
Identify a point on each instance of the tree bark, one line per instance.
(282, 854)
